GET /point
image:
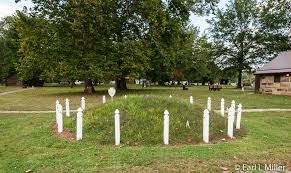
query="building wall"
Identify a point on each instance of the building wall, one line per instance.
(12, 81)
(268, 84)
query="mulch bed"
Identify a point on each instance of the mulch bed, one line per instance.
(65, 134)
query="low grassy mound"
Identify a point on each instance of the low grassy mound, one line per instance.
(141, 121)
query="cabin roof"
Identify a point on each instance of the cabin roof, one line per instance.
(281, 64)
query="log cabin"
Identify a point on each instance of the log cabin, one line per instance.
(275, 76)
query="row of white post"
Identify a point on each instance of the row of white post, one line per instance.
(230, 122)
(231, 115)
(59, 117)
(166, 130)
(67, 104)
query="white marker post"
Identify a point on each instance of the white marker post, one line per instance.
(233, 104)
(206, 126)
(238, 116)
(187, 124)
(111, 92)
(79, 134)
(67, 107)
(103, 99)
(83, 103)
(170, 96)
(117, 127)
(57, 103)
(230, 121)
(60, 118)
(191, 100)
(209, 104)
(222, 107)
(166, 127)
(125, 96)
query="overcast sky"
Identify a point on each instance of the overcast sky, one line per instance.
(8, 7)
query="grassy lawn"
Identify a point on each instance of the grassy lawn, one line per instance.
(27, 141)
(10, 88)
(44, 98)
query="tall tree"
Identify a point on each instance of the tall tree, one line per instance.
(9, 45)
(241, 36)
(105, 40)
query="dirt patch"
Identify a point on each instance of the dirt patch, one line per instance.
(65, 134)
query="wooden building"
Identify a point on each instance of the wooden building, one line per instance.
(275, 77)
(12, 81)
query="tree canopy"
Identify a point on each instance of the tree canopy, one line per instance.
(99, 41)
(107, 40)
(248, 32)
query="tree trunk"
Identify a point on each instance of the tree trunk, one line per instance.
(89, 87)
(72, 83)
(121, 83)
(239, 79)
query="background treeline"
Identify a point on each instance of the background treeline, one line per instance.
(99, 41)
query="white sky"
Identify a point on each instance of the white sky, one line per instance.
(8, 7)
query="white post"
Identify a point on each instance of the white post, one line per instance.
(103, 99)
(209, 104)
(238, 116)
(166, 127)
(125, 96)
(206, 126)
(67, 107)
(230, 121)
(60, 118)
(79, 134)
(57, 103)
(83, 103)
(233, 104)
(222, 107)
(187, 124)
(191, 100)
(170, 96)
(117, 127)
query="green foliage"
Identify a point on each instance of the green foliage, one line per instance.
(249, 32)
(9, 45)
(106, 40)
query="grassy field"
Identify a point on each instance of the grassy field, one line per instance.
(10, 88)
(27, 141)
(44, 98)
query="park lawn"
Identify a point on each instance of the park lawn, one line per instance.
(44, 98)
(10, 88)
(27, 142)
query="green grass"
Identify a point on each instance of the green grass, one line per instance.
(44, 98)
(28, 142)
(10, 88)
(141, 120)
